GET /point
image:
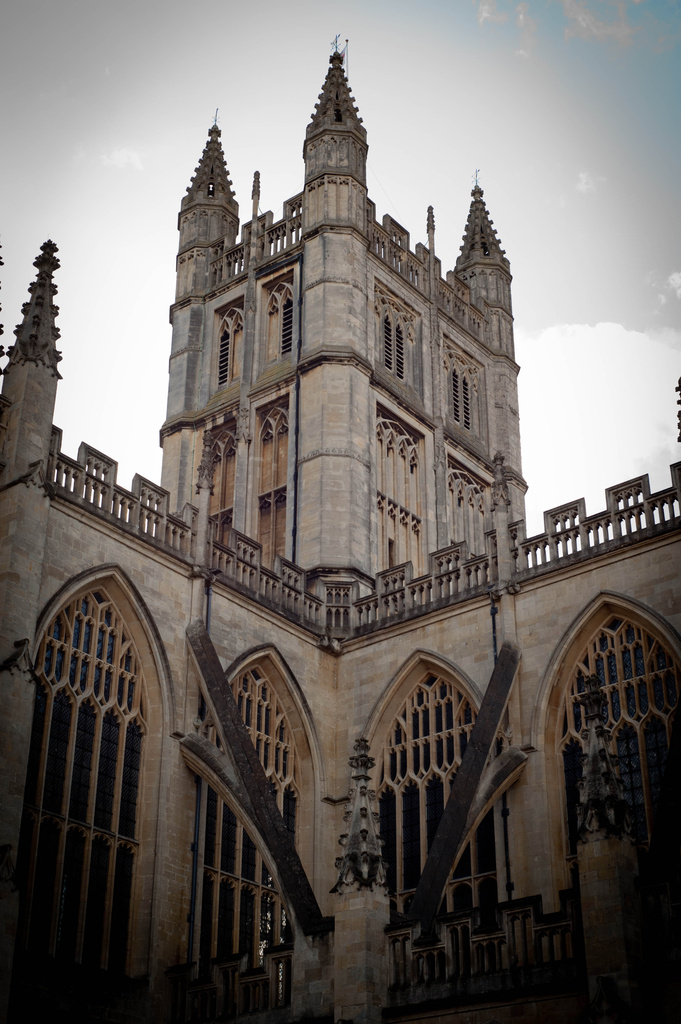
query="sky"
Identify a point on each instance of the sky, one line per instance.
(569, 110)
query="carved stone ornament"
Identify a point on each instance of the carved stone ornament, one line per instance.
(602, 809)
(500, 487)
(243, 423)
(207, 464)
(362, 865)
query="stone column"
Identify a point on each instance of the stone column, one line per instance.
(362, 911)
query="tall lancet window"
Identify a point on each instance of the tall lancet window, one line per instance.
(280, 322)
(79, 841)
(467, 511)
(230, 350)
(399, 493)
(639, 677)
(224, 461)
(272, 489)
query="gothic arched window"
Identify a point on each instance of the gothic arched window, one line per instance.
(639, 678)
(230, 334)
(272, 489)
(463, 393)
(279, 322)
(421, 755)
(224, 462)
(79, 839)
(399, 494)
(395, 337)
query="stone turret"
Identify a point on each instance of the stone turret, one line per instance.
(208, 212)
(31, 374)
(483, 265)
(335, 153)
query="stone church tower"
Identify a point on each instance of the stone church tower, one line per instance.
(312, 731)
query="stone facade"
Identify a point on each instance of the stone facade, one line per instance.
(336, 563)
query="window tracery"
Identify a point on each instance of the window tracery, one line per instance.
(224, 445)
(230, 334)
(280, 322)
(421, 754)
(264, 717)
(639, 677)
(399, 493)
(467, 509)
(273, 476)
(79, 836)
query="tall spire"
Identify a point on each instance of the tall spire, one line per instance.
(211, 177)
(480, 239)
(336, 104)
(37, 333)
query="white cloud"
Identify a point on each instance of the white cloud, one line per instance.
(487, 11)
(597, 406)
(122, 157)
(583, 22)
(587, 182)
(674, 282)
(528, 29)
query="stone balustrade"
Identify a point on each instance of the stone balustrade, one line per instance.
(524, 948)
(632, 515)
(90, 481)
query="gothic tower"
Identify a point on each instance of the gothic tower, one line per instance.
(354, 400)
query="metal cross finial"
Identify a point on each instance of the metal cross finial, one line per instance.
(215, 119)
(335, 43)
(475, 177)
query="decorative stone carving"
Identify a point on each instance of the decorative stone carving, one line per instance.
(602, 810)
(207, 464)
(500, 494)
(362, 865)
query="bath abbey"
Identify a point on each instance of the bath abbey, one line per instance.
(312, 730)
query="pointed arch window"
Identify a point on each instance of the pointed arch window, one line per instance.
(395, 341)
(79, 836)
(421, 754)
(639, 677)
(230, 349)
(463, 392)
(273, 480)
(399, 493)
(280, 322)
(224, 447)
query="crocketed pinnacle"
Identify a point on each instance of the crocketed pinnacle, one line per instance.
(336, 105)
(37, 333)
(211, 177)
(480, 240)
(362, 865)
